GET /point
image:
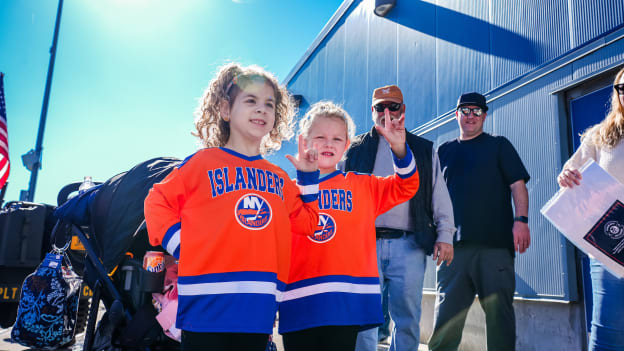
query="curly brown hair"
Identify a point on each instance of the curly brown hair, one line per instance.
(610, 131)
(213, 131)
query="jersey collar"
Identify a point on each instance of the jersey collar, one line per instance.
(330, 175)
(244, 157)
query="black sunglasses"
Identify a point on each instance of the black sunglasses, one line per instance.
(619, 88)
(392, 106)
(476, 111)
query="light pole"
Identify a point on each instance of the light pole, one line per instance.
(32, 159)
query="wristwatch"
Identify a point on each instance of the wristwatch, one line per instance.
(523, 219)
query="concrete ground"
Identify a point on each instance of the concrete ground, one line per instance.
(7, 345)
(381, 347)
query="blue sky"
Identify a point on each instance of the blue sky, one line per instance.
(128, 75)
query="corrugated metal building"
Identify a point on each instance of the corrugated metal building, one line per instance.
(545, 66)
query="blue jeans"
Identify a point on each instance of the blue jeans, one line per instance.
(401, 264)
(384, 329)
(607, 327)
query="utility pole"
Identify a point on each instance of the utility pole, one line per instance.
(32, 159)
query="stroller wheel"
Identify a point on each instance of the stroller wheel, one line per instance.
(83, 315)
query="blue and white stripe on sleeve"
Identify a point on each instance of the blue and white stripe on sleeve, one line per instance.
(308, 183)
(406, 166)
(171, 240)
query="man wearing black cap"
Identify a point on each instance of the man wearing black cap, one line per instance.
(409, 232)
(483, 173)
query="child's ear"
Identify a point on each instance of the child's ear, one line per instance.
(224, 110)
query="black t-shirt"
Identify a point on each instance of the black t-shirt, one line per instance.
(478, 173)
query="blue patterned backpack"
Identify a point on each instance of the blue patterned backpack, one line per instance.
(48, 305)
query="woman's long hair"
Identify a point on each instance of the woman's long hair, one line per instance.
(610, 131)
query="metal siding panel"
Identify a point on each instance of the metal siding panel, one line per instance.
(444, 133)
(296, 85)
(299, 85)
(356, 66)
(429, 281)
(440, 135)
(289, 147)
(591, 19)
(462, 50)
(319, 72)
(416, 78)
(529, 118)
(595, 61)
(525, 34)
(400, 49)
(307, 83)
(382, 55)
(335, 66)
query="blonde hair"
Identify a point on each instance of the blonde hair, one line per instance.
(610, 131)
(213, 131)
(326, 109)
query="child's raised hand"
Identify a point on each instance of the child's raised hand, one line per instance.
(394, 132)
(307, 158)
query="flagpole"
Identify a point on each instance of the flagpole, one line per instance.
(44, 109)
(3, 192)
(4, 143)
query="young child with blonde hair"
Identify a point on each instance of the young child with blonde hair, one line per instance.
(333, 286)
(228, 215)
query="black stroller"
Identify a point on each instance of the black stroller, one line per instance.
(109, 222)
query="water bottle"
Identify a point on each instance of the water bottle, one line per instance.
(87, 183)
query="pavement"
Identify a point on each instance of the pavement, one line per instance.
(381, 347)
(7, 345)
(386, 347)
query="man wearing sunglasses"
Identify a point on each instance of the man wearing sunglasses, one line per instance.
(408, 232)
(483, 173)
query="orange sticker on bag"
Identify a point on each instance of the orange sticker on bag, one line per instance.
(76, 244)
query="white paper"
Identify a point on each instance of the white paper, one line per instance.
(577, 211)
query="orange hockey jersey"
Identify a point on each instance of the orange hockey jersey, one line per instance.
(229, 219)
(333, 276)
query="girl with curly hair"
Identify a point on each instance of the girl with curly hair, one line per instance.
(227, 214)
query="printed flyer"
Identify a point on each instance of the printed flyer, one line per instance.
(591, 216)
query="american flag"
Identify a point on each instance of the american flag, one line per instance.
(5, 165)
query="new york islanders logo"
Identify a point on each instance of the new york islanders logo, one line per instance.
(325, 229)
(253, 212)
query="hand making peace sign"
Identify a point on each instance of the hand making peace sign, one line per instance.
(394, 132)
